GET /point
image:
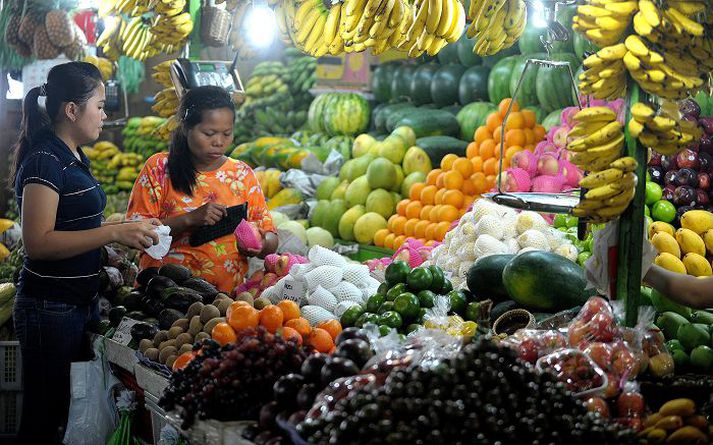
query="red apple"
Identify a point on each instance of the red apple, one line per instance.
(601, 353)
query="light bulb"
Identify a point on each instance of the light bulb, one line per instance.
(538, 16)
(261, 26)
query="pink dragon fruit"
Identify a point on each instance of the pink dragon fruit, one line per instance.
(525, 160)
(249, 237)
(548, 184)
(516, 180)
(548, 164)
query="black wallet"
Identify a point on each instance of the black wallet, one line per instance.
(223, 227)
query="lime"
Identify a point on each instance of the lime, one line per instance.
(391, 319)
(663, 211)
(366, 317)
(412, 327)
(653, 193)
(572, 221)
(702, 358)
(407, 305)
(396, 291)
(383, 289)
(438, 278)
(458, 301)
(472, 311)
(396, 273)
(647, 211)
(560, 220)
(419, 279)
(350, 316)
(384, 330)
(387, 306)
(425, 298)
(374, 302)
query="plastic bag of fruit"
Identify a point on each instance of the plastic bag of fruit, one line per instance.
(647, 342)
(576, 370)
(437, 318)
(531, 344)
(594, 323)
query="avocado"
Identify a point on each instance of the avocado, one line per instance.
(139, 331)
(157, 284)
(669, 323)
(693, 335)
(116, 314)
(207, 290)
(167, 317)
(145, 275)
(179, 298)
(176, 272)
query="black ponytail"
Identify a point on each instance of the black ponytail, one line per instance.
(181, 169)
(68, 82)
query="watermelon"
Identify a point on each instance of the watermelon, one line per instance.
(466, 56)
(346, 114)
(315, 112)
(552, 120)
(445, 84)
(491, 61)
(421, 83)
(582, 46)
(401, 82)
(554, 86)
(530, 42)
(499, 79)
(473, 116)
(448, 54)
(381, 81)
(485, 278)
(527, 96)
(473, 85)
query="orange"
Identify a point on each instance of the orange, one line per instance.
(428, 194)
(493, 121)
(289, 333)
(425, 211)
(223, 334)
(490, 167)
(244, 317)
(479, 183)
(441, 230)
(421, 227)
(401, 207)
(390, 222)
(439, 196)
(290, 309)
(529, 136)
(487, 148)
(184, 359)
(468, 188)
(432, 176)
(333, 327)
(320, 340)
(472, 150)
(448, 213)
(453, 180)
(389, 241)
(510, 152)
(300, 325)
(540, 133)
(410, 227)
(504, 104)
(233, 305)
(380, 236)
(399, 225)
(463, 166)
(468, 201)
(453, 198)
(490, 181)
(447, 161)
(515, 120)
(529, 117)
(430, 243)
(481, 134)
(530, 147)
(431, 231)
(515, 137)
(433, 216)
(399, 241)
(271, 317)
(477, 162)
(413, 209)
(497, 137)
(415, 193)
(441, 180)
(506, 164)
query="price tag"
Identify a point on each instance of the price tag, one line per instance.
(123, 332)
(293, 290)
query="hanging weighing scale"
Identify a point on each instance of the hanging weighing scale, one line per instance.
(187, 74)
(562, 202)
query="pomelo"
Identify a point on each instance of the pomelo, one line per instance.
(367, 225)
(381, 173)
(380, 201)
(346, 223)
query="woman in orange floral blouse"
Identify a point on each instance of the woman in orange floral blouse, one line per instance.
(193, 184)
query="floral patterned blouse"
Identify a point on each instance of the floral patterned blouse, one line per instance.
(217, 261)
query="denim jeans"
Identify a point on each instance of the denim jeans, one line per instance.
(51, 335)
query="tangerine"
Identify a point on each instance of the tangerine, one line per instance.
(399, 225)
(463, 166)
(399, 241)
(454, 197)
(428, 194)
(481, 134)
(439, 196)
(415, 193)
(389, 241)
(289, 333)
(432, 176)
(529, 117)
(290, 309)
(223, 334)
(184, 359)
(425, 211)
(504, 104)
(300, 325)
(234, 305)
(515, 121)
(472, 150)
(493, 121)
(487, 149)
(413, 209)
(442, 229)
(401, 207)
(271, 317)
(244, 317)
(431, 231)
(477, 162)
(447, 213)
(380, 236)
(410, 227)
(515, 136)
(453, 180)
(421, 227)
(447, 161)
(333, 327)
(479, 183)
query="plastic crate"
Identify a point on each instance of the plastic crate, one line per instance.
(10, 411)
(11, 366)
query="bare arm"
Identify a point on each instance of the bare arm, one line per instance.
(684, 289)
(42, 242)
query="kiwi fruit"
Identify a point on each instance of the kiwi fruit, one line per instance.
(144, 344)
(247, 297)
(201, 336)
(208, 313)
(175, 332)
(160, 337)
(181, 323)
(194, 309)
(184, 338)
(208, 327)
(166, 344)
(185, 348)
(170, 360)
(223, 306)
(195, 325)
(262, 303)
(166, 353)
(220, 297)
(151, 354)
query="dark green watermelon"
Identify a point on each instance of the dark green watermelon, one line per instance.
(527, 96)
(401, 82)
(421, 83)
(466, 56)
(554, 88)
(491, 61)
(473, 85)
(381, 81)
(499, 79)
(448, 54)
(445, 84)
(582, 46)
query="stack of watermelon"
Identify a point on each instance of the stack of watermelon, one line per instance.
(339, 114)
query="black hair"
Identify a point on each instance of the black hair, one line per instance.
(181, 170)
(67, 82)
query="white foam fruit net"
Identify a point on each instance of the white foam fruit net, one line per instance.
(325, 276)
(323, 298)
(316, 314)
(280, 286)
(357, 274)
(299, 270)
(369, 283)
(343, 306)
(272, 293)
(368, 292)
(347, 291)
(321, 256)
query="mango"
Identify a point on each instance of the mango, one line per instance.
(326, 188)
(708, 240)
(663, 242)
(669, 323)
(380, 201)
(678, 407)
(340, 191)
(663, 304)
(381, 173)
(416, 160)
(697, 265)
(406, 133)
(690, 242)
(393, 148)
(660, 226)
(347, 221)
(367, 225)
(362, 145)
(698, 221)
(670, 262)
(357, 192)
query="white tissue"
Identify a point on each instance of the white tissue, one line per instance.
(160, 250)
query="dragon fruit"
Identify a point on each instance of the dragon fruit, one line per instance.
(525, 160)
(548, 184)
(548, 164)
(271, 262)
(516, 180)
(248, 236)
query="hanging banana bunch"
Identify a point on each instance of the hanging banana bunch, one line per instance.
(662, 130)
(432, 25)
(496, 25)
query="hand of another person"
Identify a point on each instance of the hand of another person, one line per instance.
(207, 214)
(137, 235)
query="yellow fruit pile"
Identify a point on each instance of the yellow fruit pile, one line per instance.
(688, 249)
(269, 181)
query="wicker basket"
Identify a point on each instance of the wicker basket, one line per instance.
(512, 321)
(215, 26)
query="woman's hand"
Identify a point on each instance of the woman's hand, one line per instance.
(137, 235)
(269, 245)
(207, 215)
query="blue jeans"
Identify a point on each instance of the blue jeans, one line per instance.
(51, 335)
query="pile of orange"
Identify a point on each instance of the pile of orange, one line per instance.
(283, 319)
(431, 207)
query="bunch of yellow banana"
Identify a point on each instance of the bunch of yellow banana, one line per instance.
(662, 131)
(604, 22)
(605, 74)
(166, 102)
(161, 73)
(308, 27)
(496, 25)
(596, 140)
(105, 66)
(165, 130)
(610, 191)
(110, 39)
(432, 25)
(133, 8)
(136, 38)
(172, 30)
(169, 8)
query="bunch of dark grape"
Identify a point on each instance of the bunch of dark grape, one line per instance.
(484, 395)
(232, 382)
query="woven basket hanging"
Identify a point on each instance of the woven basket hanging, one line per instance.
(215, 25)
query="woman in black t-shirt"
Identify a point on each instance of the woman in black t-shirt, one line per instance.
(61, 206)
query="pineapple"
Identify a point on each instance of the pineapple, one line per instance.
(59, 27)
(42, 45)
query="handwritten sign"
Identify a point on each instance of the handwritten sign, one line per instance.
(123, 332)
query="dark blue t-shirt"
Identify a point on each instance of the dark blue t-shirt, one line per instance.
(81, 205)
